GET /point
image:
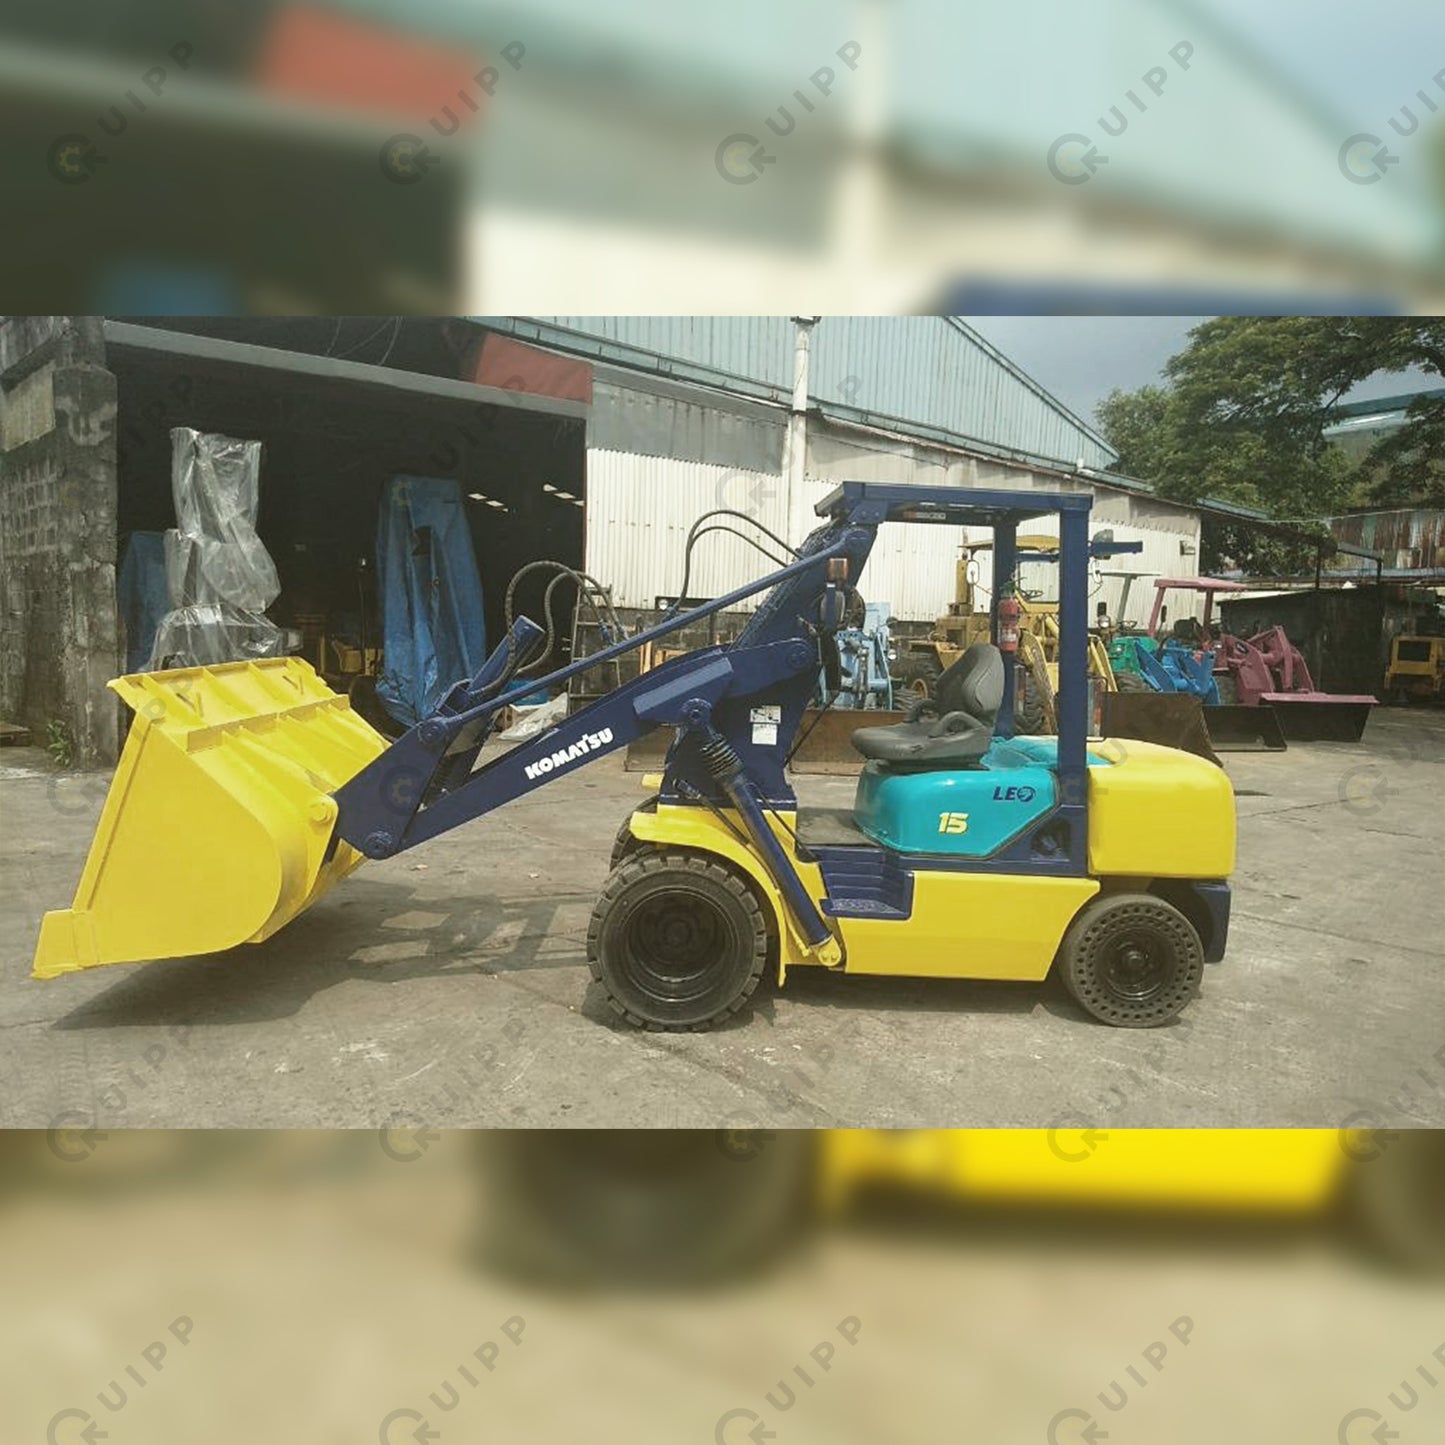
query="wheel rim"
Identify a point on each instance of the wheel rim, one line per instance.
(1135, 967)
(673, 942)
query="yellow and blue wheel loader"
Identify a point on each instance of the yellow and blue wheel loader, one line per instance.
(248, 790)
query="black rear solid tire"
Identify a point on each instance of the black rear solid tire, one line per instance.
(625, 845)
(677, 940)
(1131, 960)
(1131, 682)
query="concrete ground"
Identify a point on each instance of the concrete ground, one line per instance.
(450, 987)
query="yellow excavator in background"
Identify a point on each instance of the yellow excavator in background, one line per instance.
(967, 621)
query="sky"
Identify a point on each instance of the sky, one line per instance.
(1081, 359)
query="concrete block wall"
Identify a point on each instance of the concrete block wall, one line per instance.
(59, 626)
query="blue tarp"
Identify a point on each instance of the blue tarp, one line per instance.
(142, 595)
(433, 626)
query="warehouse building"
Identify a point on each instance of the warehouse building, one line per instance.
(765, 414)
(595, 442)
(1357, 426)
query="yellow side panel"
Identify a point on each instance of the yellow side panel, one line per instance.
(1204, 1168)
(964, 925)
(970, 925)
(1156, 812)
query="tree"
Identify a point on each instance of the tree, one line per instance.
(1405, 468)
(1243, 420)
(1136, 424)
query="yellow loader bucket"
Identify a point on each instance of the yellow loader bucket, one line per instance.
(216, 826)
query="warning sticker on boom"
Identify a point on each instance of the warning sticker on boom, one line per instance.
(765, 722)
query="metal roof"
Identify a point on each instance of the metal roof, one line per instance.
(932, 374)
(201, 348)
(1380, 404)
(1356, 424)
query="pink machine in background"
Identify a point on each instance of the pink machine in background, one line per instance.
(1269, 670)
(1266, 671)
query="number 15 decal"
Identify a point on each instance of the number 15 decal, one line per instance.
(953, 822)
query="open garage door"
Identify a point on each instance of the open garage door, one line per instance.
(336, 432)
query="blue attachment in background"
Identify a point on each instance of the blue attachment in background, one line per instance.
(142, 595)
(1178, 668)
(862, 663)
(433, 623)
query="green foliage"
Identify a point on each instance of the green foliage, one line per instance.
(1407, 467)
(1136, 424)
(1226, 545)
(58, 744)
(1242, 420)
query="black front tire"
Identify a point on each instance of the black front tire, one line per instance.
(678, 940)
(624, 845)
(1131, 960)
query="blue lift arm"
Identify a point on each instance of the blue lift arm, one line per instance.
(736, 708)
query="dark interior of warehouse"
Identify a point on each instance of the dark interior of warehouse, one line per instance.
(330, 448)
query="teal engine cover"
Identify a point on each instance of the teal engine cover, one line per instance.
(965, 812)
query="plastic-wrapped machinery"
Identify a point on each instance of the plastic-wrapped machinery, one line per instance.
(219, 574)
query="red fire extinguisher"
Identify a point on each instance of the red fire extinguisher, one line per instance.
(1008, 623)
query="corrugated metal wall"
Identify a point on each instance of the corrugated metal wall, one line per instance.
(640, 507)
(843, 452)
(1411, 538)
(704, 429)
(911, 568)
(639, 510)
(1161, 557)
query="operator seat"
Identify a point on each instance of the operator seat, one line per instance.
(965, 703)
